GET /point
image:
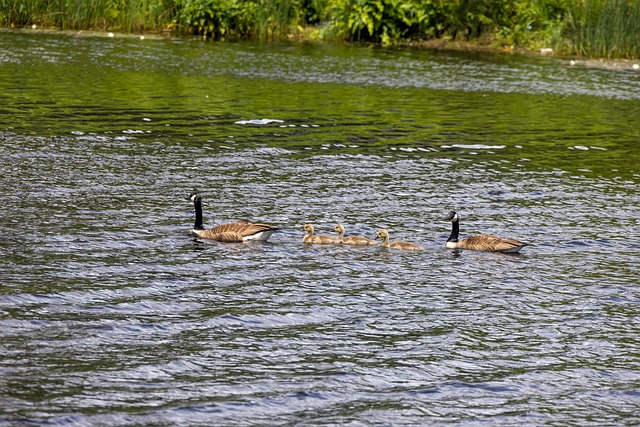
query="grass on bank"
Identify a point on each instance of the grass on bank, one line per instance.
(602, 28)
(123, 15)
(607, 29)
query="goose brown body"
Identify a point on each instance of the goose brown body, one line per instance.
(317, 238)
(384, 235)
(352, 240)
(480, 242)
(239, 231)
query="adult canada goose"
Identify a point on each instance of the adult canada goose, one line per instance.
(384, 235)
(240, 231)
(480, 242)
(352, 240)
(317, 238)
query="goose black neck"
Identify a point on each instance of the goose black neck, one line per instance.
(455, 229)
(197, 204)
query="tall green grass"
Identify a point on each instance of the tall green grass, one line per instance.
(123, 15)
(277, 19)
(604, 28)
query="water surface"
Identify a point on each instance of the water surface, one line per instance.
(110, 313)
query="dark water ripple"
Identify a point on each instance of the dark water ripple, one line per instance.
(121, 317)
(111, 314)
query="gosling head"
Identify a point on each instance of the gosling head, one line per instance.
(308, 228)
(339, 228)
(383, 234)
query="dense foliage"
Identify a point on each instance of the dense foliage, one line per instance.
(587, 27)
(510, 22)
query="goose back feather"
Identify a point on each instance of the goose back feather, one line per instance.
(239, 231)
(480, 242)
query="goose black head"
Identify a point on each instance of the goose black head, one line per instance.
(194, 196)
(453, 216)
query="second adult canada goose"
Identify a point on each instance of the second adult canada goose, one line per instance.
(480, 242)
(384, 235)
(240, 231)
(352, 240)
(316, 238)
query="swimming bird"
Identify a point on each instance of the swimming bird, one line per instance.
(317, 238)
(239, 231)
(352, 240)
(384, 235)
(480, 242)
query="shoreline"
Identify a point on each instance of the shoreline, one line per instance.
(613, 64)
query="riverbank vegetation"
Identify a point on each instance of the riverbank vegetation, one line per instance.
(602, 28)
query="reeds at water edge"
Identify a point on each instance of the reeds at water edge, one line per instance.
(604, 28)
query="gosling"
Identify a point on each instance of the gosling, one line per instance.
(384, 235)
(352, 240)
(317, 238)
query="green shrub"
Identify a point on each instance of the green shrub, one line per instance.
(208, 17)
(510, 22)
(385, 21)
(263, 19)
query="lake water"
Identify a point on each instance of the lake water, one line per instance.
(111, 314)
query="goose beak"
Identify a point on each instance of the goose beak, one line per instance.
(451, 216)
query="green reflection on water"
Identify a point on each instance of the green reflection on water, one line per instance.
(113, 94)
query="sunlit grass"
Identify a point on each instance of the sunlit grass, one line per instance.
(122, 15)
(276, 19)
(604, 28)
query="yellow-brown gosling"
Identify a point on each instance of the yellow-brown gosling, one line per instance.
(384, 235)
(317, 238)
(352, 240)
(480, 242)
(240, 231)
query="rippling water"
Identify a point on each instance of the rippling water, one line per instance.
(111, 314)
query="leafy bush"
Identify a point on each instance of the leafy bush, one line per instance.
(239, 19)
(389, 21)
(209, 17)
